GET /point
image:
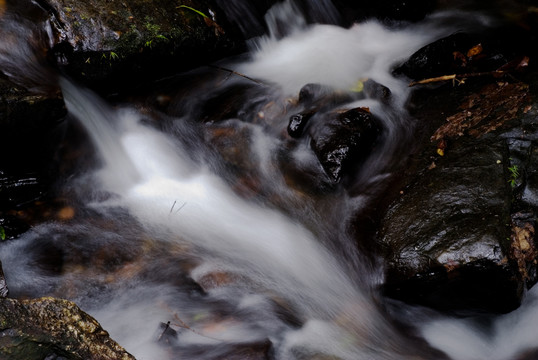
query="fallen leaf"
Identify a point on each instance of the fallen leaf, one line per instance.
(475, 50)
(485, 111)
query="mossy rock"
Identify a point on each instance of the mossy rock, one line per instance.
(46, 327)
(121, 41)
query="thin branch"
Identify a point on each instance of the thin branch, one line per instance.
(456, 77)
(182, 324)
(174, 204)
(164, 331)
(237, 73)
(181, 207)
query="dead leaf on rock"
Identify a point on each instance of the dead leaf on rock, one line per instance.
(485, 111)
(522, 247)
(475, 50)
(218, 29)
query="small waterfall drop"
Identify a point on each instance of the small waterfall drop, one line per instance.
(185, 203)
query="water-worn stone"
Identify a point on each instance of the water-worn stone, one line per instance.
(437, 58)
(98, 39)
(43, 328)
(446, 238)
(111, 44)
(3, 285)
(340, 141)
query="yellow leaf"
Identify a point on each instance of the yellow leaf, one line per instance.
(440, 152)
(475, 50)
(359, 86)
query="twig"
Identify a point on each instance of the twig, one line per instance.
(174, 204)
(164, 331)
(185, 326)
(181, 207)
(237, 73)
(456, 77)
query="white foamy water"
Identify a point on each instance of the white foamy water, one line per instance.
(509, 335)
(275, 254)
(332, 55)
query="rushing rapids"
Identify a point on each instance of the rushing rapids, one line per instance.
(177, 261)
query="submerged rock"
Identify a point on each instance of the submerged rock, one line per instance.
(46, 328)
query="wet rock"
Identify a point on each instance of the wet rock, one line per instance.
(233, 102)
(437, 58)
(168, 335)
(472, 54)
(298, 123)
(112, 44)
(447, 240)
(3, 285)
(47, 328)
(340, 141)
(377, 91)
(322, 97)
(137, 40)
(461, 234)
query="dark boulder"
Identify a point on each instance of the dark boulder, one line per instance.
(446, 238)
(341, 141)
(117, 41)
(461, 234)
(437, 58)
(298, 123)
(112, 45)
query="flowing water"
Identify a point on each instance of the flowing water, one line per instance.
(162, 234)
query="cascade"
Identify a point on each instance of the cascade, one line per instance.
(230, 272)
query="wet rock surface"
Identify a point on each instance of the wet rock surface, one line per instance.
(115, 40)
(447, 231)
(341, 140)
(461, 234)
(48, 328)
(3, 285)
(111, 45)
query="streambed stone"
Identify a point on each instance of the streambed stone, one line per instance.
(341, 140)
(112, 44)
(461, 233)
(446, 238)
(47, 327)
